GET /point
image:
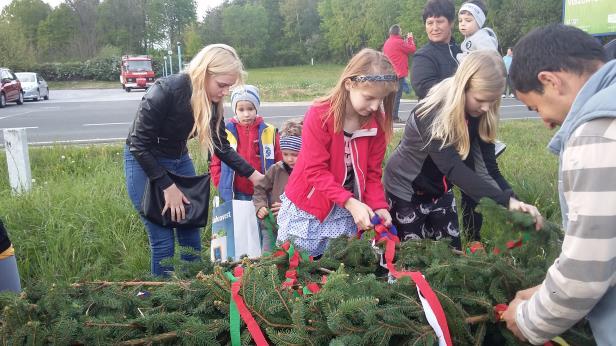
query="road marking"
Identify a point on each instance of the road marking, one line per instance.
(106, 124)
(26, 127)
(284, 116)
(80, 141)
(522, 118)
(16, 114)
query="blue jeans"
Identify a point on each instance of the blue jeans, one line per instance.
(162, 239)
(398, 97)
(242, 196)
(9, 276)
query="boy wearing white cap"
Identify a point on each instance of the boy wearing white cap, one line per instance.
(471, 18)
(255, 140)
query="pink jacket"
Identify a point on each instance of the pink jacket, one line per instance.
(398, 50)
(319, 173)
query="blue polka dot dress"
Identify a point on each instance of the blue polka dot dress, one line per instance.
(307, 232)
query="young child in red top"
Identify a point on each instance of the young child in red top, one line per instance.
(256, 141)
(335, 187)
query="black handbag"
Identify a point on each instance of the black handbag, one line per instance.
(197, 191)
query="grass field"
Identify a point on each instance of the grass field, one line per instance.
(287, 83)
(84, 84)
(78, 224)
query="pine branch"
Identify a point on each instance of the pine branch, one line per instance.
(129, 283)
(112, 325)
(165, 337)
(477, 319)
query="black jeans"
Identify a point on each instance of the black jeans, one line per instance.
(471, 220)
(435, 219)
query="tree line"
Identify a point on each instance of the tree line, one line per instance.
(265, 32)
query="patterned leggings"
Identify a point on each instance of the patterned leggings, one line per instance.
(430, 220)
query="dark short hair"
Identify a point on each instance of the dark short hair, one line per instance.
(555, 47)
(439, 8)
(394, 29)
(479, 4)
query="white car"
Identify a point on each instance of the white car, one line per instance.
(33, 85)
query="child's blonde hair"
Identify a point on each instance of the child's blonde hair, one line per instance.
(365, 63)
(481, 70)
(292, 127)
(213, 60)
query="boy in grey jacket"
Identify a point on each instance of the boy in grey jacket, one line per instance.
(471, 18)
(573, 87)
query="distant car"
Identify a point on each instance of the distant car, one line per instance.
(34, 86)
(10, 88)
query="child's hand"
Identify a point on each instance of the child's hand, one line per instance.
(275, 208)
(361, 213)
(262, 212)
(384, 215)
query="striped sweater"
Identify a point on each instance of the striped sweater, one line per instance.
(582, 281)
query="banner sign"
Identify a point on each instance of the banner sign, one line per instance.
(596, 17)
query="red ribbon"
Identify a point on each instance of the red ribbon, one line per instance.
(499, 309)
(253, 327)
(295, 257)
(383, 233)
(475, 246)
(513, 244)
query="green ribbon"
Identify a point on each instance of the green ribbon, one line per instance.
(270, 224)
(234, 316)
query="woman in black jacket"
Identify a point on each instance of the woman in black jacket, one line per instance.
(173, 110)
(455, 123)
(9, 276)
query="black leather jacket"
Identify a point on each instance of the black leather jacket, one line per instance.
(431, 64)
(5, 242)
(162, 125)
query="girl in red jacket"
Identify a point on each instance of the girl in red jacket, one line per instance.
(335, 187)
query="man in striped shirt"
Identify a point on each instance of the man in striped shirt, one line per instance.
(561, 73)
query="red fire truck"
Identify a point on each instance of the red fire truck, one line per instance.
(136, 72)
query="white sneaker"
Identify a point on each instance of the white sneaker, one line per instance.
(504, 96)
(511, 95)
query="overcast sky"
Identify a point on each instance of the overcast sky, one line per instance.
(202, 5)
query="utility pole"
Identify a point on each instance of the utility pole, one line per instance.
(179, 57)
(170, 52)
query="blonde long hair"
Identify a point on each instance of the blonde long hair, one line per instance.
(212, 60)
(481, 71)
(366, 62)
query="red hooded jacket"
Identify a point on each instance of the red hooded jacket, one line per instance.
(248, 148)
(319, 173)
(398, 50)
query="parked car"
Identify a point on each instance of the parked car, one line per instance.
(10, 88)
(35, 87)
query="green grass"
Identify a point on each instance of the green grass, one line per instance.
(84, 84)
(277, 84)
(77, 223)
(294, 83)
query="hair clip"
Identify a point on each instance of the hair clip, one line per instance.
(375, 78)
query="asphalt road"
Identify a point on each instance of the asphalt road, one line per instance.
(104, 115)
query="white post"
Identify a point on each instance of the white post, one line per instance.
(18, 160)
(312, 61)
